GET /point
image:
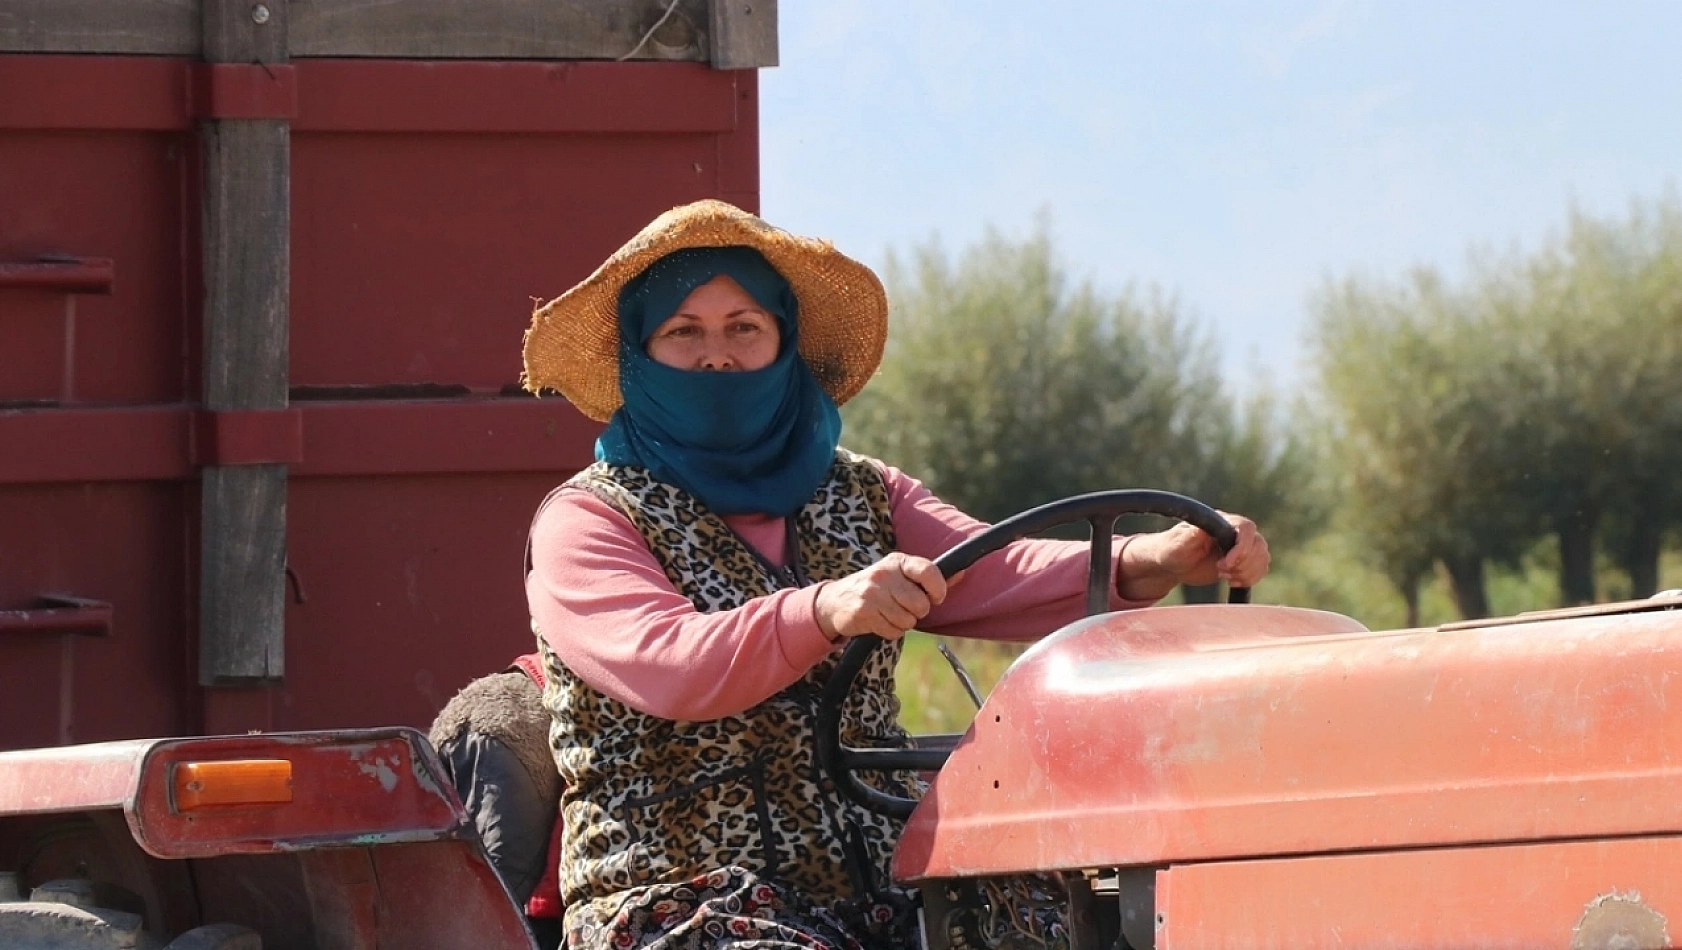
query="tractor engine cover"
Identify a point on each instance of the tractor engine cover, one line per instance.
(1180, 734)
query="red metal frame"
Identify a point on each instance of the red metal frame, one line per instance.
(1614, 893)
(337, 439)
(372, 850)
(365, 786)
(432, 202)
(1199, 733)
(87, 275)
(248, 437)
(57, 614)
(243, 91)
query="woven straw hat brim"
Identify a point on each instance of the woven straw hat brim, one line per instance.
(572, 345)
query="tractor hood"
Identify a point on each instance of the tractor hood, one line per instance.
(1176, 734)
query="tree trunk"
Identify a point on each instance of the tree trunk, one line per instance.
(1465, 578)
(1410, 596)
(1639, 556)
(1576, 557)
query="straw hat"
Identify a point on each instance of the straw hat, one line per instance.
(573, 343)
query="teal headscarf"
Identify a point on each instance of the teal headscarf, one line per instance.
(757, 442)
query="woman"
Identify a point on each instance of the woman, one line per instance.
(691, 590)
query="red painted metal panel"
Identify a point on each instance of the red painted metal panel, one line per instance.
(248, 437)
(446, 437)
(1193, 733)
(86, 445)
(516, 97)
(346, 787)
(477, 913)
(111, 195)
(413, 586)
(121, 544)
(81, 93)
(431, 204)
(408, 245)
(87, 778)
(34, 325)
(84, 275)
(244, 91)
(58, 614)
(1618, 893)
(375, 437)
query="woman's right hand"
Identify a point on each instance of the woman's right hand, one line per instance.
(887, 598)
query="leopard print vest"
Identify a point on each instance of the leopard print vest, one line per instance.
(656, 801)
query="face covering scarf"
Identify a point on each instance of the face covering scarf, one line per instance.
(756, 442)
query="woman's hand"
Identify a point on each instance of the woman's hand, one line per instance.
(887, 598)
(1154, 564)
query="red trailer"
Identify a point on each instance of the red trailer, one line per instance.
(264, 270)
(265, 463)
(265, 468)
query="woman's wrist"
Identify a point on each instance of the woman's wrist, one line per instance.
(1140, 573)
(821, 614)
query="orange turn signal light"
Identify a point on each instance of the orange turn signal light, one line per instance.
(232, 782)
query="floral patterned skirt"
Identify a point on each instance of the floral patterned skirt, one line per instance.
(733, 908)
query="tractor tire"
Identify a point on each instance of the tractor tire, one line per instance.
(218, 937)
(40, 925)
(66, 915)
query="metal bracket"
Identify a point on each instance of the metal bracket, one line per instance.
(59, 613)
(248, 437)
(243, 91)
(68, 275)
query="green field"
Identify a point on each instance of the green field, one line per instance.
(931, 697)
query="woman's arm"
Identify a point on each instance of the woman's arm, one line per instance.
(608, 611)
(1022, 592)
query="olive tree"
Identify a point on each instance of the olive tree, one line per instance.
(1006, 384)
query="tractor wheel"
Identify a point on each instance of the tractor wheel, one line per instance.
(218, 937)
(74, 914)
(61, 915)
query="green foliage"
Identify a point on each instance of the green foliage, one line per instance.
(932, 699)
(1540, 398)
(1005, 385)
(1504, 443)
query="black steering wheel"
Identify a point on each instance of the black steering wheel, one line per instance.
(1100, 510)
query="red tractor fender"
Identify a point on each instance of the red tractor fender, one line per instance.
(1200, 733)
(298, 836)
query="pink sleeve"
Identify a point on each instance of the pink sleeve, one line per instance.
(610, 614)
(1022, 592)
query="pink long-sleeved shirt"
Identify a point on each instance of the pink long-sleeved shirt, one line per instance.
(610, 614)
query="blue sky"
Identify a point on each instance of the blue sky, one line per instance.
(1232, 153)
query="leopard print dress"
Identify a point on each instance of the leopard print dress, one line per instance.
(689, 835)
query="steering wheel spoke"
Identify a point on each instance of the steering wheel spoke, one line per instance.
(1100, 510)
(894, 760)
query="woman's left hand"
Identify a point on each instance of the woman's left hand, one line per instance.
(1154, 564)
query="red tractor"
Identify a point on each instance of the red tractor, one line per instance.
(263, 270)
(1177, 777)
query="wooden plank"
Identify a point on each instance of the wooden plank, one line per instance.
(242, 604)
(247, 272)
(743, 33)
(745, 30)
(156, 27)
(498, 29)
